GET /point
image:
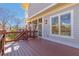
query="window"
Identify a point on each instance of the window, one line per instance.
(61, 24)
(55, 28)
(40, 20)
(65, 24)
(35, 25)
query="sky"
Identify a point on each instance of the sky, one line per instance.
(17, 8)
(65, 19)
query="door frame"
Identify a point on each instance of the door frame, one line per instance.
(41, 25)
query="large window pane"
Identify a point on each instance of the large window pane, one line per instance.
(55, 26)
(65, 24)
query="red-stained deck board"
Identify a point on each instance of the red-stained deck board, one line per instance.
(39, 47)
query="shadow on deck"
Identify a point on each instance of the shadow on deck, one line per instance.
(38, 47)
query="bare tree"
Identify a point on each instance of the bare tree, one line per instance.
(17, 22)
(5, 16)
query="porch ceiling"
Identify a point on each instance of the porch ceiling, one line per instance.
(50, 10)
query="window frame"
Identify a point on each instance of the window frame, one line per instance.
(51, 24)
(59, 20)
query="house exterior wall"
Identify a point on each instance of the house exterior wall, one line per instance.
(36, 7)
(68, 41)
(74, 42)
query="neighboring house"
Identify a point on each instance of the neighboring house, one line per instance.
(7, 28)
(56, 22)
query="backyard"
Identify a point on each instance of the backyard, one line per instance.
(10, 37)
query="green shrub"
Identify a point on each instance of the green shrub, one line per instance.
(11, 36)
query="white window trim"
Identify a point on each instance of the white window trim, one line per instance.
(70, 11)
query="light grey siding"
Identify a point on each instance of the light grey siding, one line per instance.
(36, 7)
(68, 41)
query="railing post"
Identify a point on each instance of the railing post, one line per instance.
(3, 42)
(30, 33)
(27, 34)
(34, 34)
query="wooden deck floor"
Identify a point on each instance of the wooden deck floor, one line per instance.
(39, 47)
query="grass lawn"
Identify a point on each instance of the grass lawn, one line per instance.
(11, 36)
